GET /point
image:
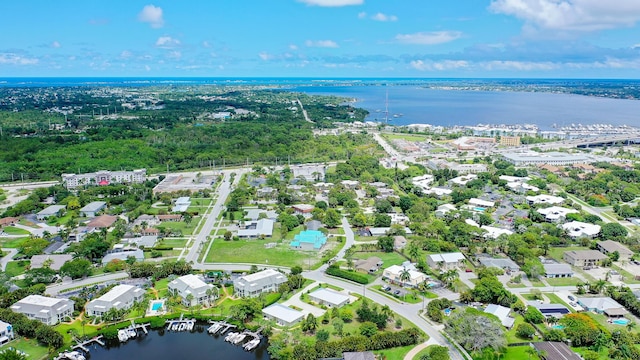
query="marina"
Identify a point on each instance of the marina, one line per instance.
(181, 324)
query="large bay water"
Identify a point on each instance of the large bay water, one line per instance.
(166, 345)
(419, 105)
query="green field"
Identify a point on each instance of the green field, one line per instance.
(28, 346)
(187, 229)
(407, 137)
(176, 243)
(567, 281)
(15, 268)
(518, 353)
(13, 243)
(254, 252)
(12, 230)
(392, 258)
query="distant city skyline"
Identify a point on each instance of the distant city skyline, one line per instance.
(321, 38)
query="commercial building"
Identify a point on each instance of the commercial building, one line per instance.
(553, 158)
(609, 246)
(510, 141)
(72, 181)
(91, 209)
(257, 229)
(328, 297)
(557, 270)
(282, 315)
(191, 289)
(445, 261)
(584, 257)
(47, 310)
(264, 281)
(121, 297)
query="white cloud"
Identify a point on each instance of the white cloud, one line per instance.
(15, 59)
(362, 15)
(167, 42)
(206, 44)
(55, 44)
(321, 43)
(384, 17)
(126, 54)
(175, 55)
(429, 38)
(636, 46)
(147, 67)
(265, 56)
(332, 3)
(293, 47)
(438, 65)
(519, 65)
(152, 15)
(571, 15)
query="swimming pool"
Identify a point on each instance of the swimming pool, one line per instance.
(558, 327)
(478, 208)
(621, 321)
(156, 306)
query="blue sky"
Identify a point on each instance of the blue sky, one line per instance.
(321, 38)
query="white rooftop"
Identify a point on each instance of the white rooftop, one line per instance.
(116, 292)
(578, 229)
(261, 275)
(329, 296)
(40, 300)
(501, 313)
(282, 312)
(556, 212)
(480, 202)
(193, 281)
(448, 258)
(545, 199)
(494, 232)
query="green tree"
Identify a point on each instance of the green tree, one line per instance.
(525, 331)
(331, 218)
(322, 335)
(386, 243)
(76, 268)
(368, 329)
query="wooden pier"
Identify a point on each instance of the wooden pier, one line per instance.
(176, 325)
(83, 345)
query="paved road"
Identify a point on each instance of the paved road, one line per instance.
(55, 289)
(9, 257)
(304, 112)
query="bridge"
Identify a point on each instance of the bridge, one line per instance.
(626, 139)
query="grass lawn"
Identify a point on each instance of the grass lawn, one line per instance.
(28, 346)
(395, 353)
(392, 258)
(68, 330)
(407, 137)
(514, 285)
(13, 243)
(518, 353)
(253, 251)
(15, 268)
(567, 281)
(511, 334)
(628, 278)
(181, 225)
(556, 300)
(556, 252)
(176, 243)
(537, 283)
(12, 230)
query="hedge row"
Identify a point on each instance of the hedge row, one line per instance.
(349, 275)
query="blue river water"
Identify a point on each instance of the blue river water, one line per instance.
(419, 105)
(165, 345)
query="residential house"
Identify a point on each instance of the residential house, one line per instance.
(282, 315)
(150, 232)
(444, 209)
(120, 253)
(8, 221)
(102, 221)
(445, 261)
(262, 228)
(146, 242)
(309, 240)
(500, 263)
(360, 355)
(55, 262)
(399, 242)
(252, 285)
(544, 199)
(583, 257)
(47, 310)
(303, 209)
(181, 204)
(556, 213)
(369, 265)
(49, 211)
(557, 270)
(549, 310)
(266, 192)
(602, 305)
(609, 246)
(91, 209)
(502, 313)
(328, 297)
(121, 297)
(6, 332)
(395, 273)
(481, 203)
(493, 232)
(170, 218)
(350, 184)
(191, 289)
(577, 229)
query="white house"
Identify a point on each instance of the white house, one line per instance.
(91, 209)
(544, 199)
(481, 203)
(557, 270)
(394, 274)
(119, 298)
(494, 232)
(6, 332)
(328, 297)
(44, 309)
(576, 229)
(556, 213)
(502, 313)
(49, 211)
(191, 285)
(256, 229)
(446, 261)
(444, 209)
(282, 315)
(464, 179)
(252, 285)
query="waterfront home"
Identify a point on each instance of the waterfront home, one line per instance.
(252, 285)
(282, 315)
(120, 297)
(47, 310)
(191, 289)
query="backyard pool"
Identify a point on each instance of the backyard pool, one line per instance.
(621, 321)
(156, 307)
(558, 327)
(478, 208)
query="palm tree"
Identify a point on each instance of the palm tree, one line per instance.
(405, 276)
(413, 250)
(631, 325)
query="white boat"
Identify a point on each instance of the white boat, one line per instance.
(174, 327)
(122, 336)
(132, 333)
(73, 355)
(182, 326)
(238, 339)
(214, 328)
(230, 336)
(251, 344)
(190, 325)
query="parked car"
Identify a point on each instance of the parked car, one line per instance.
(388, 288)
(571, 298)
(397, 292)
(468, 270)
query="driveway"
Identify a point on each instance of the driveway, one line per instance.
(9, 257)
(305, 308)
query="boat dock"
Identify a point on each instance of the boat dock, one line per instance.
(181, 324)
(137, 327)
(237, 338)
(83, 345)
(219, 327)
